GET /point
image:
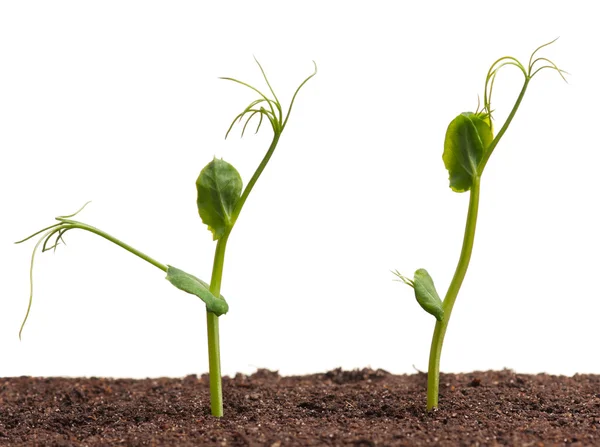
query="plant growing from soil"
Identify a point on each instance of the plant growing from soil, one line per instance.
(221, 198)
(468, 145)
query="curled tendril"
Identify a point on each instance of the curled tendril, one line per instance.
(52, 236)
(532, 69)
(265, 107)
(57, 231)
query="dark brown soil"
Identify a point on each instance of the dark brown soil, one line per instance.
(358, 408)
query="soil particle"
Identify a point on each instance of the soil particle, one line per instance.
(352, 408)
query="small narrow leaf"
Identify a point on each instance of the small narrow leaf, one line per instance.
(219, 188)
(404, 279)
(190, 284)
(467, 137)
(426, 294)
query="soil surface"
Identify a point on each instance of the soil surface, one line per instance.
(356, 408)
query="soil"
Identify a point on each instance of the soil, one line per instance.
(356, 408)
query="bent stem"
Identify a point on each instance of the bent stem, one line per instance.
(433, 374)
(212, 323)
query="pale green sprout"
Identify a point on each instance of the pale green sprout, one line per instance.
(468, 145)
(220, 201)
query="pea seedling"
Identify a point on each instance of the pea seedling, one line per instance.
(468, 145)
(220, 201)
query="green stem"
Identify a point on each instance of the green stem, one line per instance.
(74, 224)
(254, 179)
(214, 360)
(433, 375)
(487, 154)
(212, 322)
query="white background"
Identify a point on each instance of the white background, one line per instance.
(120, 103)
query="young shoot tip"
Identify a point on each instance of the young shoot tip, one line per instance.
(296, 93)
(404, 279)
(75, 213)
(540, 47)
(478, 104)
(60, 219)
(533, 68)
(273, 113)
(269, 108)
(546, 63)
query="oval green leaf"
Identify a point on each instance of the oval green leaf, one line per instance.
(190, 284)
(483, 123)
(467, 138)
(219, 188)
(426, 295)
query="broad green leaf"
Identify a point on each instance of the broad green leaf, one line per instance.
(219, 188)
(190, 284)
(485, 129)
(426, 294)
(467, 137)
